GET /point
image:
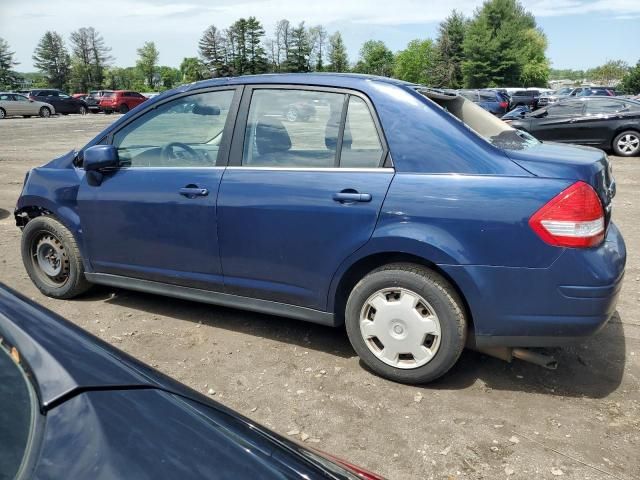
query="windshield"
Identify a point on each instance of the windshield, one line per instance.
(479, 121)
(17, 412)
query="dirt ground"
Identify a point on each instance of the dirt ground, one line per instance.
(485, 419)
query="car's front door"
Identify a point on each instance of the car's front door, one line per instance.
(300, 195)
(155, 217)
(598, 124)
(560, 123)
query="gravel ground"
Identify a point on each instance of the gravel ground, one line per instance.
(485, 419)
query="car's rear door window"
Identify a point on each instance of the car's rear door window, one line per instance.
(565, 109)
(361, 146)
(185, 132)
(17, 414)
(293, 128)
(603, 106)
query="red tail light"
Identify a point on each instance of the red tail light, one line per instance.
(573, 218)
(504, 104)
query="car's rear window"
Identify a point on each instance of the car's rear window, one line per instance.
(17, 411)
(108, 94)
(480, 122)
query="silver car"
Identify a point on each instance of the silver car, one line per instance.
(12, 104)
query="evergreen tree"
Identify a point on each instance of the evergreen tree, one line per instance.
(147, 62)
(52, 59)
(90, 57)
(237, 38)
(8, 78)
(449, 54)
(299, 50)
(375, 59)
(337, 54)
(495, 45)
(212, 49)
(256, 55)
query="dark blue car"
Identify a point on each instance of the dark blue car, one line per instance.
(492, 101)
(74, 407)
(411, 216)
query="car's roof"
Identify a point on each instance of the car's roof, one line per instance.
(347, 80)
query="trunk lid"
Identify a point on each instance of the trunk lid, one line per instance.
(572, 162)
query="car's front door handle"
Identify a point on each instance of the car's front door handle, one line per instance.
(192, 191)
(346, 197)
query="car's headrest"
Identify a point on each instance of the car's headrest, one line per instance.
(331, 134)
(271, 136)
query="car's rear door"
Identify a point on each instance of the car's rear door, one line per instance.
(299, 196)
(560, 123)
(154, 217)
(8, 104)
(598, 124)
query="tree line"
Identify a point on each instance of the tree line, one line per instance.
(499, 46)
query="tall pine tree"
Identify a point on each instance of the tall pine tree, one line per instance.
(337, 54)
(449, 52)
(53, 60)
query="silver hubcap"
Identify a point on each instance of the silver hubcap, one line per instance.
(50, 256)
(45, 112)
(292, 115)
(628, 143)
(1, 113)
(400, 328)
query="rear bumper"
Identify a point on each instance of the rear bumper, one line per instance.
(530, 307)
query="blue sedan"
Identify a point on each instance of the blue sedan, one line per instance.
(411, 216)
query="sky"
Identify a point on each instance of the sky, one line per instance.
(581, 33)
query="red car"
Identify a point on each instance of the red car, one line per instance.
(120, 100)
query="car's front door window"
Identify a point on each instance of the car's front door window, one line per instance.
(185, 132)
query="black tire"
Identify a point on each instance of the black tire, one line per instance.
(44, 112)
(40, 233)
(108, 112)
(441, 297)
(627, 144)
(3, 114)
(82, 110)
(26, 116)
(94, 111)
(123, 108)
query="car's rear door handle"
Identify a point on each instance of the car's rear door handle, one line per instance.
(346, 197)
(192, 191)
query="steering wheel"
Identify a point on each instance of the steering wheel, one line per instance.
(167, 153)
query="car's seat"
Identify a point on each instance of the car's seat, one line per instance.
(272, 141)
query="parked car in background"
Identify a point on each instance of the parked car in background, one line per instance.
(552, 97)
(93, 99)
(13, 104)
(62, 102)
(595, 91)
(120, 101)
(299, 111)
(519, 112)
(525, 97)
(609, 123)
(135, 422)
(412, 216)
(492, 101)
(81, 96)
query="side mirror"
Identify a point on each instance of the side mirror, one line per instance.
(100, 156)
(96, 159)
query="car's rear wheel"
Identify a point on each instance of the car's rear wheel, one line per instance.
(44, 112)
(52, 258)
(3, 113)
(123, 108)
(108, 112)
(292, 114)
(627, 144)
(82, 110)
(406, 322)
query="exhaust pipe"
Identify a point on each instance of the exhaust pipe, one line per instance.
(508, 354)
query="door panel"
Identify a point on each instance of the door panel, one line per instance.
(155, 217)
(561, 124)
(138, 224)
(283, 236)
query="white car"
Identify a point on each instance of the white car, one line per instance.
(12, 104)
